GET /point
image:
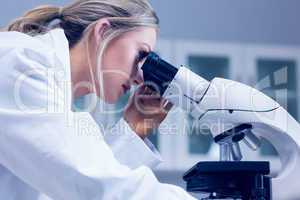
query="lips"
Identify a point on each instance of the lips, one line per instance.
(126, 88)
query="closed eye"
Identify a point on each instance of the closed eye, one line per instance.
(142, 55)
(139, 57)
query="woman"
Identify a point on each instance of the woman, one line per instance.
(53, 55)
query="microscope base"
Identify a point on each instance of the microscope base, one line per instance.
(235, 180)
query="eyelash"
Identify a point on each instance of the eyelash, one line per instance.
(141, 55)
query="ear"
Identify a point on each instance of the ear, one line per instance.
(101, 26)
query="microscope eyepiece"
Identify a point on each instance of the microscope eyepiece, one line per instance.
(158, 73)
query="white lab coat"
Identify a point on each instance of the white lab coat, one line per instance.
(49, 152)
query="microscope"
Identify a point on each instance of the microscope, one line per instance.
(235, 113)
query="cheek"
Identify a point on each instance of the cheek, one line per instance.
(112, 88)
(120, 60)
(116, 70)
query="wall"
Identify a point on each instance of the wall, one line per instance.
(259, 21)
(253, 21)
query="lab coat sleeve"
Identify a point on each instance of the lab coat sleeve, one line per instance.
(129, 149)
(63, 154)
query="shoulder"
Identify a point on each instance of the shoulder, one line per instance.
(41, 49)
(31, 68)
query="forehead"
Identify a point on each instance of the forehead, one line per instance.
(142, 35)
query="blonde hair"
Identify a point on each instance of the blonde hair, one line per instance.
(78, 17)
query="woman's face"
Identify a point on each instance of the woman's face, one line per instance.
(120, 63)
